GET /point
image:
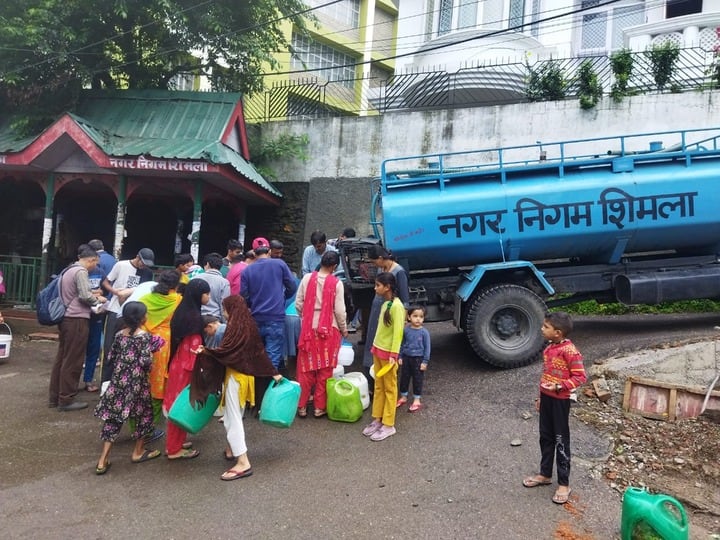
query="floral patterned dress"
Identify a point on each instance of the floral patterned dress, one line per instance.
(128, 394)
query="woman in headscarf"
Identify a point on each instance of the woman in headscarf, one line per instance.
(161, 304)
(321, 302)
(186, 330)
(240, 357)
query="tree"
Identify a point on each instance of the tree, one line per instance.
(50, 49)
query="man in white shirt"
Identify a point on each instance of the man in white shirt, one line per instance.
(314, 252)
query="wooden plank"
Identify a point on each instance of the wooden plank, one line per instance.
(666, 401)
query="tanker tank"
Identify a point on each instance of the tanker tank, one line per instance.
(590, 200)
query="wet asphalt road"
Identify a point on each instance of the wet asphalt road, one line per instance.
(450, 471)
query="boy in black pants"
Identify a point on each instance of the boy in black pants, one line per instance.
(563, 372)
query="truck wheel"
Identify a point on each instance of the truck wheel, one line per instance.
(502, 324)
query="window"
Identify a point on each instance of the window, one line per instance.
(517, 14)
(335, 65)
(601, 28)
(345, 11)
(678, 8)
(446, 13)
(467, 14)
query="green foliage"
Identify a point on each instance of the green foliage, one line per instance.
(589, 88)
(285, 146)
(52, 48)
(547, 83)
(662, 62)
(590, 307)
(621, 63)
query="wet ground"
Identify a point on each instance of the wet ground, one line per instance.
(449, 472)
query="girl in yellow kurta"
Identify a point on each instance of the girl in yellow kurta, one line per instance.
(161, 304)
(385, 350)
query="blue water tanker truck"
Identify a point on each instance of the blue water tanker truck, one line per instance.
(492, 238)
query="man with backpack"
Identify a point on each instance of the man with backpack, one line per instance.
(74, 288)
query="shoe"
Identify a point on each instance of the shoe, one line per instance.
(319, 413)
(415, 407)
(302, 412)
(561, 498)
(186, 454)
(400, 402)
(232, 474)
(104, 469)
(147, 455)
(383, 433)
(74, 406)
(532, 481)
(351, 329)
(372, 427)
(154, 436)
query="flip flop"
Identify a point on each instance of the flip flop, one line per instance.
(103, 470)
(414, 407)
(228, 458)
(561, 498)
(232, 474)
(91, 387)
(186, 454)
(531, 482)
(147, 455)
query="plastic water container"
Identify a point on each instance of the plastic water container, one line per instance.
(279, 404)
(338, 372)
(346, 356)
(358, 379)
(190, 416)
(343, 401)
(5, 342)
(645, 515)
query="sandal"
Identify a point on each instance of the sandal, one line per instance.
(319, 413)
(561, 498)
(185, 454)
(415, 407)
(102, 470)
(535, 481)
(400, 402)
(302, 412)
(147, 455)
(91, 387)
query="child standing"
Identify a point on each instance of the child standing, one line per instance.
(128, 394)
(563, 373)
(385, 349)
(414, 357)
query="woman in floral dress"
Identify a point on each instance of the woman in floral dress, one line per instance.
(128, 394)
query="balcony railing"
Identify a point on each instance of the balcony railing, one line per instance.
(473, 86)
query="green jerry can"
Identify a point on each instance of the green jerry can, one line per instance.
(192, 417)
(343, 401)
(279, 404)
(652, 517)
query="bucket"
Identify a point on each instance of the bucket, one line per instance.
(279, 404)
(645, 515)
(190, 416)
(5, 342)
(358, 379)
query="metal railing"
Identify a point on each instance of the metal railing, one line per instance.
(471, 86)
(21, 275)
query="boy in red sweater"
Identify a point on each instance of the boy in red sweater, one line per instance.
(563, 373)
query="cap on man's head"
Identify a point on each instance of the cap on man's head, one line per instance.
(260, 242)
(147, 257)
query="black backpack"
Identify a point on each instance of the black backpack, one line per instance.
(49, 305)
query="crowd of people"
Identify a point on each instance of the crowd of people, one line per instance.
(224, 327)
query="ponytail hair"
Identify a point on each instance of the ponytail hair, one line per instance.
(133, 315)
(388, 279)
(376, 251)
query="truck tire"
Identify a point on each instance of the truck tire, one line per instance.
(502, 324)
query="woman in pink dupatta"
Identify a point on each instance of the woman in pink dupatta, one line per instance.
(321, 302)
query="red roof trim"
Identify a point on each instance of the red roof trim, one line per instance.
(237, 121)
(65, 125)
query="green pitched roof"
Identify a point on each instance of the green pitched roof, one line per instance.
(157, 123)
